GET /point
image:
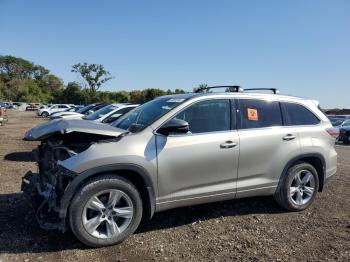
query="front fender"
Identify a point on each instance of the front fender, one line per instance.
(86, 175)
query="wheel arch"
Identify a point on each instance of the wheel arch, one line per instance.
(134, 173)
(314, 159)
(45, 111)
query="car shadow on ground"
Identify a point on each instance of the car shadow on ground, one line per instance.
(20, 233)
(20, 157)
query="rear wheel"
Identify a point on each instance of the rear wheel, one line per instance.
(298, 187)
(105, 211)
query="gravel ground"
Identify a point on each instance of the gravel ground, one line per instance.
(245, 229)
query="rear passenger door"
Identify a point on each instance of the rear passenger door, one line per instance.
(266, 145)
(313, 137)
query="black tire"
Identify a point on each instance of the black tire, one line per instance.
(346, 141)
(282, 195)
(45, 114)
(89, 189)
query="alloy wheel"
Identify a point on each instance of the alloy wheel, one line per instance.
(107, 213)
(302, 187)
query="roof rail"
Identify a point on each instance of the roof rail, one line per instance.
(236, 89)
(228, 88)
(274, 90)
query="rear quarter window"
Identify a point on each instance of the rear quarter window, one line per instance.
(297, 115)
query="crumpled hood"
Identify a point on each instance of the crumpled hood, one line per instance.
(42, 131)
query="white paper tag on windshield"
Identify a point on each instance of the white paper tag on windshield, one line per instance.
(176, 100)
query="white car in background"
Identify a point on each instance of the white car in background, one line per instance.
(110, 113)
(47, 111)
(89, 109)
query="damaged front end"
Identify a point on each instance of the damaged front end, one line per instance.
(59, 142)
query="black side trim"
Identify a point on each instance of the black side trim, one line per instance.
(78, 180)
(315, 155)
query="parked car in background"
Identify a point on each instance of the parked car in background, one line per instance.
(344, 134)
(339, 116)
(47, 111)
(33, 107)
(9, 105)
(110, 113)
(80, 113)
(71, 109)
(174, 151)
(340, 122)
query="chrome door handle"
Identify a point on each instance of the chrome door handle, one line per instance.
(228, 144)
(289, 137)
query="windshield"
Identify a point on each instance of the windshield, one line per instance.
(144, 115)
(100, 113)
(346, 123)
(85, 109)
(336, 122)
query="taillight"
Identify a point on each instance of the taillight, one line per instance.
(333, 131)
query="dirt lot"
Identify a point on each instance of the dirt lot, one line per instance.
(248, 229)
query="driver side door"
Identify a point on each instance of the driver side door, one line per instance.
(200, 166)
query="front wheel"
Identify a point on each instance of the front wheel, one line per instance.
(105, 211)
(45, 114)
(298, 187)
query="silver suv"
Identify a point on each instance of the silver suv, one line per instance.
(102, 180)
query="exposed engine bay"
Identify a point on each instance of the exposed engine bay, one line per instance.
(47, 187)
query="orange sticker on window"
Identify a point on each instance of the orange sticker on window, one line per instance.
(252, 114)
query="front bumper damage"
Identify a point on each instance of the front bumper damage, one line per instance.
(45, 199)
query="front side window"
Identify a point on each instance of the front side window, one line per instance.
(259, 113)
(207, 116)
(299, 115)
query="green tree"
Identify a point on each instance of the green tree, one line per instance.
(94, 76)
(201, 86)
(72, 94)
(121, 97)
(136, 97)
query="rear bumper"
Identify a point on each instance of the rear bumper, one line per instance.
(42, 201)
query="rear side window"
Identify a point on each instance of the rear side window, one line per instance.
(259, 113)
(297, 115)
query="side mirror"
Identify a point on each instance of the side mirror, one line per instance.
(89, 112)
(174, 126)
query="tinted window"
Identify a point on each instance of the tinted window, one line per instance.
(207, 116)
(117, 114)
(299, 115)
(100, 113)
(346, 123)
(259, 113)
